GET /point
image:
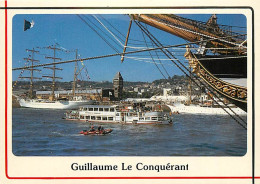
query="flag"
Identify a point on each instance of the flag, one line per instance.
(28, 25)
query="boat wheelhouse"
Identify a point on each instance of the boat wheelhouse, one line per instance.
(117, 114)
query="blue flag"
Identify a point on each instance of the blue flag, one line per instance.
(28, 25)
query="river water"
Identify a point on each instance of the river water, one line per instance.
(38, 132)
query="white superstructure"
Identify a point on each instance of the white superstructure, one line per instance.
(116, 114)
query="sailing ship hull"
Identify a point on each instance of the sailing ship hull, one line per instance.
(54, 104)
(225, 66)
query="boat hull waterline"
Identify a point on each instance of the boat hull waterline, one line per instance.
(53, 104)
(97, 132)
(125, 122)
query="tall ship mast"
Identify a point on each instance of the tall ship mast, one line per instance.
(31, 59)
(53, 102)
(53, 68)
(75, 75)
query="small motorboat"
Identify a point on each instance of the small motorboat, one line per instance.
(96, 132)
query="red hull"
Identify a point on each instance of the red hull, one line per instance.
(104, 132)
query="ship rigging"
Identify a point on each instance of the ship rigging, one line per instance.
(227, 47)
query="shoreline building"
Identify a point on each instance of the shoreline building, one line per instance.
(118, 86)
(88, 94)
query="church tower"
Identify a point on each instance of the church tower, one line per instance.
(118, 86)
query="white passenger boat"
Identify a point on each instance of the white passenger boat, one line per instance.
(117, 114)
(58, 104)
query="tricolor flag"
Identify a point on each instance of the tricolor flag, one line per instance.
(28, 25)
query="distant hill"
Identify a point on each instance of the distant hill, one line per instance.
(176, 79)
(45, 85)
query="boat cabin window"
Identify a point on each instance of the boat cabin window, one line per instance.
(98, 118)
(100, 109)
(141, 118)
(160, 118)
(117, 114)
(95, 109)
(106, 109)
(90, 109)
(112, 109)
(93, 117)
(87, 117)
(104, 118)
(147, 118)
(110, 118)
(154, 118)
(81, 117)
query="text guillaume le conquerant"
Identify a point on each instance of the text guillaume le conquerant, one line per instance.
(126, 167)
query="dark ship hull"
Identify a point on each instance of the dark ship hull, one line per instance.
(225, 66)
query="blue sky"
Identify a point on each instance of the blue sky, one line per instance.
(70, 32)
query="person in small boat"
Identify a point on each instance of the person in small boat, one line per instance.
(100, 128)
(92, 129)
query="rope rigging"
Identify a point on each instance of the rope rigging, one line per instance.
(146, 43)
(202, 23)
(152, 62)
(20, 75)
(110, 45)
(113, 38)
(122, 36)
(116, 54)
(200, 58)
(117, 41)
(153, 59)
(173, 26)
(159, 59)
(210, 25)
(109, 31)
(166, 52)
